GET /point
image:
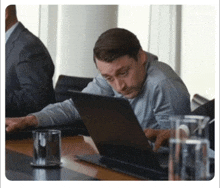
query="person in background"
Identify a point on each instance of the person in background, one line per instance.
(152, 88)
(29, 69)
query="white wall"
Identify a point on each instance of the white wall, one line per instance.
(135, 18)
(164, 34)
(79, 26)
(197, 49)
(29, 16)
(70, 32)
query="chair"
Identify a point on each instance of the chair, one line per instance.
(66, 83)
(208, 109)
(197, 101)
(63, 85)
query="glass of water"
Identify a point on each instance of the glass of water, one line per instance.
(47, 148)
(189, 145)
(188, 159)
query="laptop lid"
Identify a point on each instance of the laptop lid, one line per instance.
(114, 128)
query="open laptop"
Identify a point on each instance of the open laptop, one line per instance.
(116, 132)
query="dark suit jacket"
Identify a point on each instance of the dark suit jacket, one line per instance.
(29, 72)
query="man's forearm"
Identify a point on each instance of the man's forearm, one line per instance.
(31, 121)
(16, 124)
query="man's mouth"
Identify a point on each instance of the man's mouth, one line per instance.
(126, 93)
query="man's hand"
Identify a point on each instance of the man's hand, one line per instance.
(161, 137)
(16, 124)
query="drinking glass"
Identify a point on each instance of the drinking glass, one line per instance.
(47, 146)
(189, 145)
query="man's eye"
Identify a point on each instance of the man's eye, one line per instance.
(124, 73)
(109, 79)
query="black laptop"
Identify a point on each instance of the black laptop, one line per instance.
(116, 132)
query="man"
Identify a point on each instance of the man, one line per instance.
(29, 69)
(152, 88)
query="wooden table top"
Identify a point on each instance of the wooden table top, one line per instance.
(70, 147)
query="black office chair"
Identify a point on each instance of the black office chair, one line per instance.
(63, 85)
(66, 83)
(197, 101)
(208, 109)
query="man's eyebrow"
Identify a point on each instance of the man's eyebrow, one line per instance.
(122, 69)
(105, 75)
(118, 71)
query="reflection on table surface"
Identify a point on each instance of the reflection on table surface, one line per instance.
(18, 151)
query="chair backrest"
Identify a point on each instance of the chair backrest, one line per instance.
(208, 109)
(65, 83)
(197, 101)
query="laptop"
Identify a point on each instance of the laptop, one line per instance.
(119, 138)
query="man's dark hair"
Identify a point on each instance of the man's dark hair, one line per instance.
(115, 43)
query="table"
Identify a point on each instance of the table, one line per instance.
(21, 151)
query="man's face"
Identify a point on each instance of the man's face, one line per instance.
(124, 74)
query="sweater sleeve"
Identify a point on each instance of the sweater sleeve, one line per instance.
(65, 112)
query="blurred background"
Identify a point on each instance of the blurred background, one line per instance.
(182, 36)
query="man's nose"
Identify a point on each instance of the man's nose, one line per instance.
(120, 85)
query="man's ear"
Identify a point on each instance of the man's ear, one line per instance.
(142, 56)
